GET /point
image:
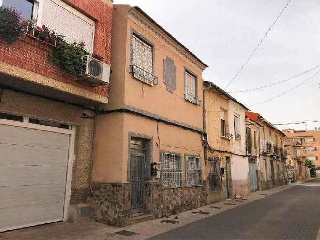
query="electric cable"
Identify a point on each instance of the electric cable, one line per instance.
(260, 42)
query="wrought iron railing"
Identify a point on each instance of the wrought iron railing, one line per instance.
(143, 75)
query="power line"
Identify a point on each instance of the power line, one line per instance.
(261, 41)
(276, 83)
(297, 122)
(283, 93)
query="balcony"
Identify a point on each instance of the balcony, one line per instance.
(143, 75)
(25, 66)
(267, 148)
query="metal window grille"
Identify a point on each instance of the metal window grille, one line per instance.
(193, 171)
(171, 173)
(190, 88)
(142, 54)
(214, 175)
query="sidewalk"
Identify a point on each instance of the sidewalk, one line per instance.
(90, 230)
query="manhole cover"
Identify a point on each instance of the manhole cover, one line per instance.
(126, 233)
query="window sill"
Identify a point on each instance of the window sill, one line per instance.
(225, 138)
(194, 101)
(143, 76)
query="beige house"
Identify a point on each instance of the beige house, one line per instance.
(149, 157)
(227, 164)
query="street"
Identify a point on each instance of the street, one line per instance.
(290, 214)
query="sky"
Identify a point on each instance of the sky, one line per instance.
(223, 34)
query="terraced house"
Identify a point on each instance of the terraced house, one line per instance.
(46, 111)
(272, 161)
(149, 156)
(225, 155)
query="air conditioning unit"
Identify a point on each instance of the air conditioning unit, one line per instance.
(94, 72)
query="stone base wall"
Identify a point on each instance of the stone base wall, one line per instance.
(165, 202)
(111, 203)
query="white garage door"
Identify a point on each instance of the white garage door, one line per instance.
(33, 175)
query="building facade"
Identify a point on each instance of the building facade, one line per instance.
(271, 164)
(305, 146)
(225, 144)
(46, 115)
(148, 142)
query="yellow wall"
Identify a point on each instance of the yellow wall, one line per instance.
(214, 103)
(125, 90)
(112, 144)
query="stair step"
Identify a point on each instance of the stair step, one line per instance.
(141, 218)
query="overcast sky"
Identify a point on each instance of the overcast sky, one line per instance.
(223, 33)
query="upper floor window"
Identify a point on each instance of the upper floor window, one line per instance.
(255, 139)
(236, 124)
(27, 8)
(190, 87)
(193, 171)
(223, 125)
(68, 22)
(142, 60)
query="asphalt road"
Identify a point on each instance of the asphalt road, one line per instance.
(290, 214)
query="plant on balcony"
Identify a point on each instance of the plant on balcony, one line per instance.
(12, 26)
(68, 56)
(42, 33)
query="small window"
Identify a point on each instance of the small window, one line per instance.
(223, 127)
(27, 8)
(142, 60)
(190, 87)
(236, 124)
(254, 139)
(193, 171)
(171, 173)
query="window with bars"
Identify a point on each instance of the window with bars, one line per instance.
(142, 60)
(193, 171)
(171, 172)
(214, 175)
(191, 87)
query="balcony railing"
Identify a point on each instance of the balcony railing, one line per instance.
(142, 75)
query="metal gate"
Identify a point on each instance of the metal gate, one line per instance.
(253, 176)
(137, 175)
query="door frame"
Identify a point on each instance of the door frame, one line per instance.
(148, 157)
(71, 158)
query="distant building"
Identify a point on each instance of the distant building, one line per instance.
(306, 144)
(272, 157)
